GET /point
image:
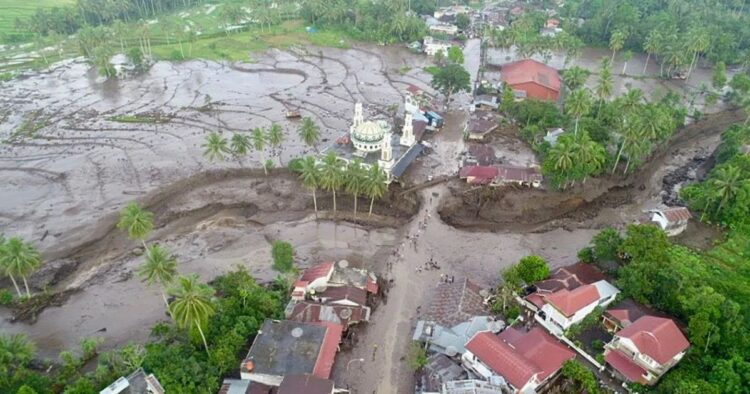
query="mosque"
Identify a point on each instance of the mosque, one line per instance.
(373, 141)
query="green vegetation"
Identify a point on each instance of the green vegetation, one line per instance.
(450, 79)
(17, 12)
(18, 260)
(417, 356)
(282, 254)
(581, 377)
(532, 269)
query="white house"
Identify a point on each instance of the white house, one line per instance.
(564, 308)
(444, 28)
(672, 220)
(433, 46)
(643, 351)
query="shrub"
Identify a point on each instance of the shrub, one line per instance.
(417, 356)
(283, 256)
(587, 255)
(6, 297)
(513, 312)
(533, 269)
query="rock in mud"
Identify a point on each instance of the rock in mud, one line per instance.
(52, 272)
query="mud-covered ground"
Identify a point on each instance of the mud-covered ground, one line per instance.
(69, 169)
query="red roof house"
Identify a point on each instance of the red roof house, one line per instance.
(478, 175)
(643, 351)
(569, 302)
(328, 349)
(538, 80)
(524, 359)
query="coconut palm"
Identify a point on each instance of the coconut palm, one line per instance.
(355, 181)
(19, 259)
(310, 176)
(726, 184)
(375, 184)
(239, 144)
(159, 267)
(193, 304)
(698, 42)
(637, 147)
(16, 349)
(136, 221)
(631, 101)
(331, 176)
(575, 77)
(652, 45)
(616, 42)
(563, 155)
(590, 155)
(215, 146)
(604, 83)
(626, 57)
(275, 138)
(259, 143)
(309, 132)
(578, 104)
(655, 122)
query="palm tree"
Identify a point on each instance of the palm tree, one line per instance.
(310, 176)
(16, 349)
(698, 42)
(616, 42)
(239, 144)
(309, 133)
(18, 258)
(604, 83)
(652, 45)
(625, 59)
(215, 146)
(275, 139)
(575, 77)
(159, 267)
(136, 221)
(637, 147)
(726, 184)
(375, 184)
(589, 155)
(563, 156)
(631, 100)
(193, 304)
(655, 122)
(331, 176)
(355, 181)
(259, 143)
(578, 104)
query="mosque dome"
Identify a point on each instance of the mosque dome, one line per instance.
(368, 136)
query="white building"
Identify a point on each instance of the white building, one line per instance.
(564, 308)
(433, 46)
(444, 28)
(672, 220)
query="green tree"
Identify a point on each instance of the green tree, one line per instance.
(582, 377)
(604, 86)
(239, 144)
(451, 79)
(651, 46)
(575, 77)
(726, 184)
(355, 181)
(462, 21)
(626, 57)
(719, 78)
(455, 55)
(417, 355)
(533, 269)
(616, 41)
(310, 176)
(309, 132)
(193, 304)
(578, 104)
(606, 244)
(375, 184)
(137, 221)
(215, 146)
(282, 254)
(158, 267)
(645, 243)
(276, 139)
(16, 350)
(331, 175)
(440, 57)
(19, 259)
(258, 138)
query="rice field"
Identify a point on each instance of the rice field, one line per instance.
(10, 10)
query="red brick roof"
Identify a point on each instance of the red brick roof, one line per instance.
(529, 70)
(625, 366)
(571, 277)
(328, 349)
(413, 89)
(627, 311)
(657, 337)
(676, 214)
(316, 271)
(569, 302)
(518, 355)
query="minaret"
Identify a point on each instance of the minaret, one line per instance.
(386, 154)
(358, 118)
(407, 133)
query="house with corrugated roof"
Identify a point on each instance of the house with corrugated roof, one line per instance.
(672, 220)
(519, 361)
(645, 350)
(535, 79)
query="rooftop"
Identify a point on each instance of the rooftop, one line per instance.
(305, 383)
(453, 303)
(570, 277)
(441, 369)
(518, 174)
(675, 214)
(571, 301)
(344, 315)
(625, 366)
(317, 271)
(243, 386)
(627, 311)
(343, 293)
(529, 70)
(288, 347)
(657, 337)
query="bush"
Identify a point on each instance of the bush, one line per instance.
(606, 244)
(6, 297)
(513, 312)
(283, 256)
(417, 356)
(533, 269)
(587, 255)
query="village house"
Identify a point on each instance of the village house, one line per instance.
(520, 362)
(480, 124)
(432, 46)
(470, 386)
(242, 386)
(535, 79)
(623, 314)
(452, 10)
(313, 312)
(372, 141)
(485, 102)
(439, 370)
(327, 274)
(456, 312)
(305, 383)
(444, 28)
(568, 277)
(137, 382)
(672, 220)
(286, 347)
(564, 308)
(501, 175)
(645, 350)
(551, 28)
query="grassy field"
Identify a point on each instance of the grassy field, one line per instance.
(10, 10)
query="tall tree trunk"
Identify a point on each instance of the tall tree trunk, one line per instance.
(18, 290)
(372, 202)
(164, 297)
(355, 206)
(624, 67)
(692, 64)
(645, 66)
(315, 204)
(26, 285)
(334, 203)
(204, 339)
(617, 160)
